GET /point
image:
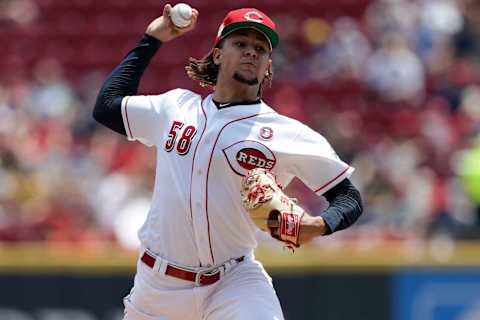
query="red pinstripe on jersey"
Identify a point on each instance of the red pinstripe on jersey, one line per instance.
(331, 181)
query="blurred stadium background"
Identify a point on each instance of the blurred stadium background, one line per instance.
(394, 85)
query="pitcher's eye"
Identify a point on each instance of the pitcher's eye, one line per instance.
(261, 49)
(240, 44)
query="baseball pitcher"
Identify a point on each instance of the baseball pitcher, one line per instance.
(221, 162)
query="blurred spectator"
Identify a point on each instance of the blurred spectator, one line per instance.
(51, 95)
(343, 55)
(18, 11)
(390, 16)
(394, 71)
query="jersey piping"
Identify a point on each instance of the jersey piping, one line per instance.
(332, 180)
(208, 171)
(193, 165)
(126, 118)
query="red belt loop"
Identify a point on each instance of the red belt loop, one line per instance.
(200, 277)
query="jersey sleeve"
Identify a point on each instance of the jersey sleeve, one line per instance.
(144, 117)
(316, 163)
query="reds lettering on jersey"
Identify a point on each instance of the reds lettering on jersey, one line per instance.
(196, 217)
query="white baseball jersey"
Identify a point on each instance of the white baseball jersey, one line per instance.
(196, 216)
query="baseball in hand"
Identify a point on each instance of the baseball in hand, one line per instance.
(181, 15)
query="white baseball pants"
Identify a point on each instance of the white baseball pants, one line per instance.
(243, 292)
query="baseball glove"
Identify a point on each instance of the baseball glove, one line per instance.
(269, 208)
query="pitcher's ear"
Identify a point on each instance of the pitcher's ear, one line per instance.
(217, 56)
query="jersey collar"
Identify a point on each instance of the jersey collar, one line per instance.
(234, 110)
(232, 104)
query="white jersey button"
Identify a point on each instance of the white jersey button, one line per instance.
(199, 172)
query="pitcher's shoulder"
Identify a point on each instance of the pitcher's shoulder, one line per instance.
(281, 119)
(177, 96)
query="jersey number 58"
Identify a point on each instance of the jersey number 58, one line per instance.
(183, 145)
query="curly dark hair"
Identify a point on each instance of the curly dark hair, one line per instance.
(205, 71)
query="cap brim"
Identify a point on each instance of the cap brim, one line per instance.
(270, 34)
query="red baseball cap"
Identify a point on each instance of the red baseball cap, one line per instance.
(248, 18)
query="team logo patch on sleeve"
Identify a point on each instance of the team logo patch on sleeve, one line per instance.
(266, 133)
(246, 155)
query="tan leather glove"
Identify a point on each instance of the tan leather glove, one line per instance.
(268, 206)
